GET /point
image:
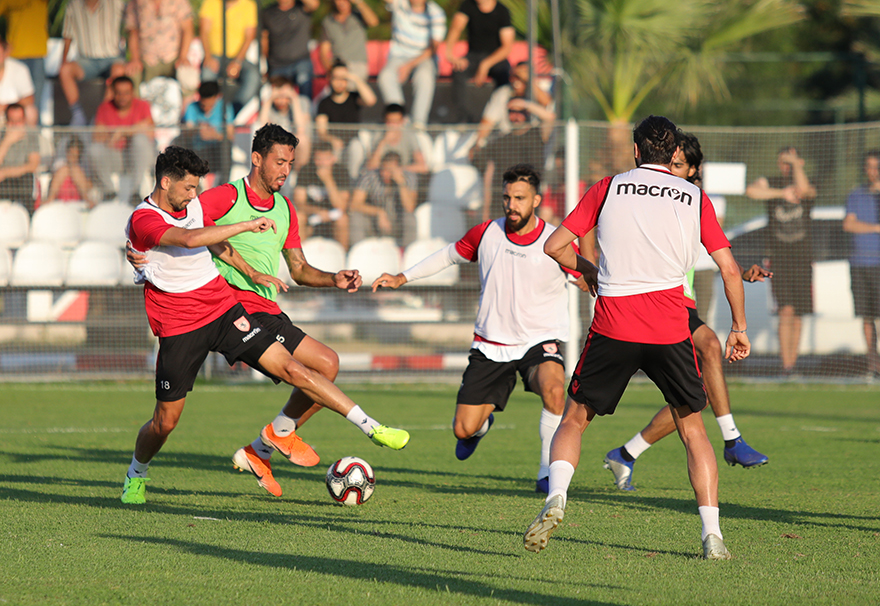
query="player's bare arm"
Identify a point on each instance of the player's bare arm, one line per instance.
(738, 345)
(558, 247)
(227, 253)
(206, 236)
(306, 275)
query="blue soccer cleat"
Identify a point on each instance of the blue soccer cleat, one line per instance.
(543, 485)
(466, 446)
(621, 468)
(744, 454)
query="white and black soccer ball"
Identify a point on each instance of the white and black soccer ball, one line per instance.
(351, 481)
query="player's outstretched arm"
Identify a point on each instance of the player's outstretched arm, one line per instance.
(305, 274)
(389, 281)
(226, 252)
(213, 234)
(738, 346)
(430, 265)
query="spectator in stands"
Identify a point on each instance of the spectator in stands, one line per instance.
(204, 119)
(19, 158)
(70, 182)
(417, 29)
(27, 32)
(321, 196)
(122, 141)
(286, 31)
(241, 31)
(862, 220)
(94, 25)
(290, 111)
(342, 107)
(159, 35)
(383, 202)
(16, 85)
(400, 139)
(490, 38)
(344, 36)
(790, 197)
(496, 114)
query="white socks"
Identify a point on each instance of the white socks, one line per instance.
(636, 446)
(561, 473)
(709, 518)
(546, 429)
(264, 451)
(137, 469)
(283, 425)
(728, 427)
(362, 420)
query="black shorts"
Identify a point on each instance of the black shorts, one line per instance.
(694, 321)
(236, 334)
(607, 365)
(866, 290)
(488, 382)
(280, 325)
(792, 283)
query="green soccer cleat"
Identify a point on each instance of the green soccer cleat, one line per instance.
(393, 438)
(133, 491)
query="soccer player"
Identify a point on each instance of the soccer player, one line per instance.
(193, 310)
(620, 461)
(650, 226)
(522, 319)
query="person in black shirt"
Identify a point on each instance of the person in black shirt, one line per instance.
(321, 196)
(342, 107)
(286, 30)
(490, 37)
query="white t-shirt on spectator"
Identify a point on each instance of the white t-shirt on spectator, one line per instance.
(16, 83)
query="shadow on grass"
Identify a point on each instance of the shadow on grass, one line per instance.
(448, 584)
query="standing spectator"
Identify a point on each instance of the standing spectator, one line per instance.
(70, 182)
(863, 221)
(344, 36)
(94, 26)
(342, 107)
(790, 198)
(400, 139)
(417, 29)
(496, 114)
(159, 36)
(204, 118)
(122, 142)
(16, 85)
(27, 32)
(286, 31)
(290, 111)
(490, 38)
(19, 158)
(383, 203)
(321, 196)
(241, 31)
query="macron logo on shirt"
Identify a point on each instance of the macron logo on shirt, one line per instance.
(654, 191)
(515, 253)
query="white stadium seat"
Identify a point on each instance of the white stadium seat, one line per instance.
(324, 253)
(373, 256)
(106, 223)
(58, 222)
(95, 264)
(423, 221)
(420, 249)
(14, 224)
(5, 266)
(452, 147)
(452, 191)
(38, 264)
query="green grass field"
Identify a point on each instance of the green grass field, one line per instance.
(803, 529)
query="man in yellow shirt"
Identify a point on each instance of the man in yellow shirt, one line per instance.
(27, 23)
(241, 31)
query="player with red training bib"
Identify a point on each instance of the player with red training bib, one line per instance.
(650, 225)
(522, 319)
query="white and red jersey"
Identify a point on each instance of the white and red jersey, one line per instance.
(523, 291)
(650, 226)
(183, 290)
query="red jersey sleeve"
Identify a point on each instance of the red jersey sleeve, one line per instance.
(217, 201)
(146, 229)
(470, 242)
(586, 214)
(711, 234)
(293, 240)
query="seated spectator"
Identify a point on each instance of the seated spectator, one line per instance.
(16, 85)
(122, 141)
(342, 107)
(19, 158)
(490, 38)
(288, 110)
(241, 31)
(400, 139)
(417, 29)
(27, 32)
(94, 25)
(344, 36)
(497, 111)
(286, 31)
(70, 182)
(204, 119)
(159, 36)
(383, 202)
(321, 196)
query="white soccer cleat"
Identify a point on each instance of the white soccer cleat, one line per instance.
(715, 549)
(539, 531)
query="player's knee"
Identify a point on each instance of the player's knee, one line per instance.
(709, 347)
(295, 373)
(554, 398)
(463, 429)
(329, 365)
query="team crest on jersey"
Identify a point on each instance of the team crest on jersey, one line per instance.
(242, 324)
(550, 348)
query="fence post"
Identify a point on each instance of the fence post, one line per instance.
(572, 180)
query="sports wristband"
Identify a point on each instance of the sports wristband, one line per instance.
(737, 331)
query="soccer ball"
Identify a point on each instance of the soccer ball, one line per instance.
(351, 481)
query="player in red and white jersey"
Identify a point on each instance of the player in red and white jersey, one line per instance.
(650, 225)
(522, 317)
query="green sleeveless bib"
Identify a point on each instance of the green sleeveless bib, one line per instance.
(261, 251)
(689, 286)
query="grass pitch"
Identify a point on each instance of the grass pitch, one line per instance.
(803, 529)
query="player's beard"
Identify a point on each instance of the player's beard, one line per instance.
(269, 183)
(518, 225)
